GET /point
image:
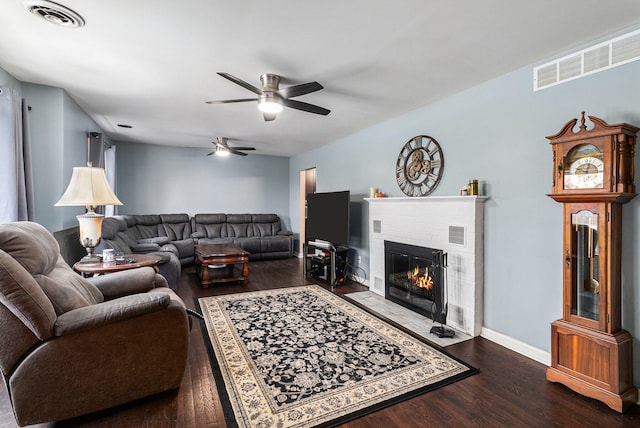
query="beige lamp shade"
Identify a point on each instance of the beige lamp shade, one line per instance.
(88, 187)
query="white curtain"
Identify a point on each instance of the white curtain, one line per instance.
(110, 172)
(16, 182)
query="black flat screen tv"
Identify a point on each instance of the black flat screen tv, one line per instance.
(328, 217)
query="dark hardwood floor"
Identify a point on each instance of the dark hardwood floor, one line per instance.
(509, 391)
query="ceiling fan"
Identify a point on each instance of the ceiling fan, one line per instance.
(223, 149)
(271, 98)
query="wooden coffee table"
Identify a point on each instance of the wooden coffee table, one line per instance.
(216, 263)
(132, 261)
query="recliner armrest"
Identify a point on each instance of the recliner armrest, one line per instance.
(198, 235)
(123, 308)
(160, 240)
(124, 283)
(145, 248)
(285, 232)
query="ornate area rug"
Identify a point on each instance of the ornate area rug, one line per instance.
(302, 357)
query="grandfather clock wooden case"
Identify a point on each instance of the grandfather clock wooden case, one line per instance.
(593, 176)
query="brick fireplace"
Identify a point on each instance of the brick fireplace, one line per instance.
(452, 224)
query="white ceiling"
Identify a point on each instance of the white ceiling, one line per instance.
(152, 64)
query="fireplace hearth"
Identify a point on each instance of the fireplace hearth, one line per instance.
(414, 278)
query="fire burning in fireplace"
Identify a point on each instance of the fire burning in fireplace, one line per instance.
(422, 281)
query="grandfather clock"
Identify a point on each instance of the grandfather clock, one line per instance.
(593, 175)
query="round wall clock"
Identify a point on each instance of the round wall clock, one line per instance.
(419, 166)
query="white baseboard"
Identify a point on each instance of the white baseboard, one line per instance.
(517, 346)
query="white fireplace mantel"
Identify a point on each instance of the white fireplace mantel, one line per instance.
(454, 224)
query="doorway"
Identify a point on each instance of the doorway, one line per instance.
(307, 186)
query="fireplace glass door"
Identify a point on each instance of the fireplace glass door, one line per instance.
(413, 278)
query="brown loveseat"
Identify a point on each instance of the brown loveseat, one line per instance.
(70, 346)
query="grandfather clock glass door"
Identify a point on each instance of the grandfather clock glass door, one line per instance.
(583, 263)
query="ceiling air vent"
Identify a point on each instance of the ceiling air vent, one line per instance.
(600, 57)
(54, 13)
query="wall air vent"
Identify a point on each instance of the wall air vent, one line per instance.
(456, 235)
(54, 13)
(612, 53)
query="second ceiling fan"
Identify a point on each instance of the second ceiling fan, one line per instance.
(222, 148)
(271, 98)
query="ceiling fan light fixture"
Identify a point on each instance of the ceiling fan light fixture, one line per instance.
(268, 104)
(221, 151)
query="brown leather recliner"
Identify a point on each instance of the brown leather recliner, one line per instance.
(71, 346)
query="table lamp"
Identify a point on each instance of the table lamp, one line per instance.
(89, 188)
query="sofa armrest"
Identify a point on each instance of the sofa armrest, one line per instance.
(198, 235)
(123, 308)
(144, 248)
(170, 248)
(185, 247)
(285, 232)
(123, 283)
(159, 240)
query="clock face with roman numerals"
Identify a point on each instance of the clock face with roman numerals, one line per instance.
(419, 166)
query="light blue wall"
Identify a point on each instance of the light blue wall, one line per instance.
(162, 179)
(8, 80)
(58, 129)
(495, 132)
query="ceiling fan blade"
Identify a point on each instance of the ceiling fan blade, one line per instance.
(310, 108)
(242, 148)
(238, 100)
(297, 90)
(268, 117)
(235, 152)
(241, 83)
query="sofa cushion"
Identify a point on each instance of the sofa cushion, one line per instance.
(274, 244)
(111, 226)
(22, 295)
(148, 225)
(68, 290)
(176, 226)
(239, 225)
(265, 224)
(252, 245)
(211, 225)
(33, 247)
(205, 241)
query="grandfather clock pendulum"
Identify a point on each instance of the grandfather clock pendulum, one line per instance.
(593, 176)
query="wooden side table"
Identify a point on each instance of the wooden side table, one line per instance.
(132, 261)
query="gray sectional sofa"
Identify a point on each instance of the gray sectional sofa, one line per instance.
(173, 237)
(259, 234)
